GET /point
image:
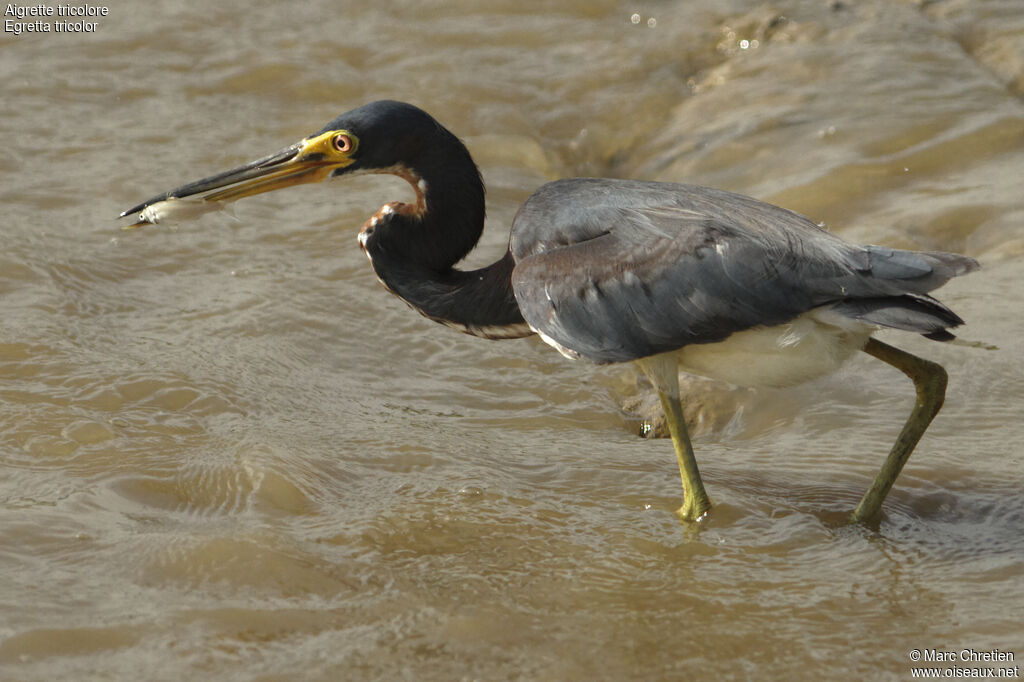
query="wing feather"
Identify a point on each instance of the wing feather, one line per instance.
(617, 270)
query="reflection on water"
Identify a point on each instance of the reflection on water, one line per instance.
(228, 453)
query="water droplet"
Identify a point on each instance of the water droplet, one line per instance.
(635, 19)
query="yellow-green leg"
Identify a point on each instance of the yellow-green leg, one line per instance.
(695, 500)
(663, 371)
(930, 382)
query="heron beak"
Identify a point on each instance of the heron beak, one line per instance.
(310, 160)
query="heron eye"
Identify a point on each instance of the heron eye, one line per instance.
(343, 143)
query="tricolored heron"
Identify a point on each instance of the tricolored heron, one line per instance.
(669, 276)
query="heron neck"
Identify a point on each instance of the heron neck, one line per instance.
(414, 250)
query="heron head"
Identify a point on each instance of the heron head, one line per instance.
(382, 137)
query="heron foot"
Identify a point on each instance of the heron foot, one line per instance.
(695, 508)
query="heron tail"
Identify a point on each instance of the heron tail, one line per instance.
(910, 312)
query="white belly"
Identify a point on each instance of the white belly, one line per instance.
(813, 345)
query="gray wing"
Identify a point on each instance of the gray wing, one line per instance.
(617, 270)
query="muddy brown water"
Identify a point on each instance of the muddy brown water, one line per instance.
(227, 453)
